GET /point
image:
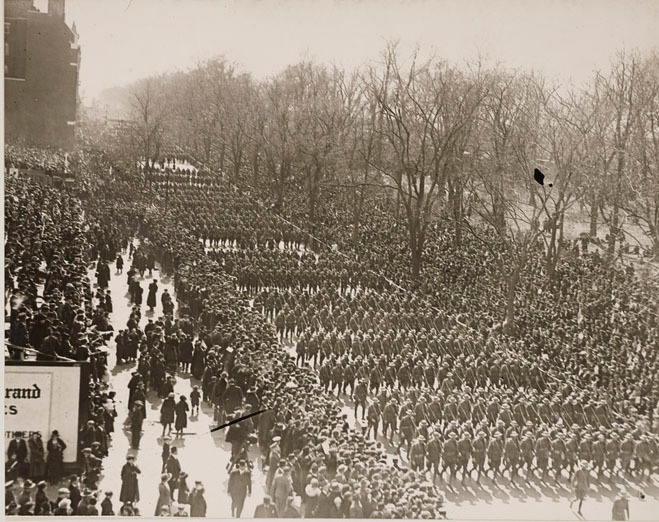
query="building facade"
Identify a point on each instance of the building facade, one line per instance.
(42, 60)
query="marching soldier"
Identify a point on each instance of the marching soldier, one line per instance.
(612, 450)
(373, 418)
(512, 453)
(598, 449)
(325, 375)
(389, 419)
(626, 452)
(580, 483)
(512, 428)
(478, 449)
(337, 378)
(492, 410)
(505, 414)
(360, 396)
(406, 431)
(349, 381)
(450, 409)
(571, 450)
(464, 408)
(464, 454)
(417, 453)
(375, 379)
(421, 410)
(434, 453)
(526, 447)
(542, 450)
(450, 456)
(586, 448)
(557, 455)
(643, 457)
(495, 454)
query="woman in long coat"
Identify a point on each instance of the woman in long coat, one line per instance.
(183, 489)
(151, 298)
(102, 274)
(138, 294)
(197, 501)
(198, 358)
(165, 495)
(37, 457)
(55, 459)
(167, 413)
(182, 409)
(130, 488)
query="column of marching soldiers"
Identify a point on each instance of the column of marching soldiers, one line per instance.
(457, 402)
(453, 397)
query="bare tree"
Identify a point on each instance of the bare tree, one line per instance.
(642, 177)
(278, 146)
(425, 109)
(148, 102)
(325, 107)
(565, 131)
(616, 96)
(505, 154)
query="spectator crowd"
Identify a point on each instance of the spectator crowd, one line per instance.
(305, 329)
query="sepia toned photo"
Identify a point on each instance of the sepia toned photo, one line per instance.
(354, 259)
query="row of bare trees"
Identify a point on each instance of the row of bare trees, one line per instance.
(440, 140)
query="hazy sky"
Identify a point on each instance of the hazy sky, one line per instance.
(123, 40)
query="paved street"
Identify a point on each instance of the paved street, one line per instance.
(196, 447)
(528, 501)
(536, 501)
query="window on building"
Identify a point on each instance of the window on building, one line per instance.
(7, 25)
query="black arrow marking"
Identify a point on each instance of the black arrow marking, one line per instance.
(238, 420)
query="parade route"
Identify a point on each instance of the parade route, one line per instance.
(203, 455)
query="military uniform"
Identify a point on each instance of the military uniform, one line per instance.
(450, 455)
(464, 454)
(598, 450)
(558, 455)
(434, 453)
(542, 450)
(512, 454)
(478, 449)
(495, 454)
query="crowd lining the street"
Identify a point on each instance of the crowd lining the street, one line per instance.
(266, 323)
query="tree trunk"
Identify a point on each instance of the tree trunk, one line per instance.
(499, 203)
(561, 235)
(455, 200)
(357, 213)
(532, 202)
(414, 226)
(416, 261)
(614, 229)
(281, 183)
(552, 250)
(238, 157)
(594, 209)
(207, 150)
